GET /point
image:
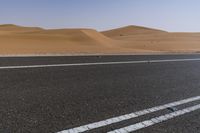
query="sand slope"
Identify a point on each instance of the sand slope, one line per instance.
(155, 40)
(24, 40)
(131, 39)
(131, 30)
(10, 29)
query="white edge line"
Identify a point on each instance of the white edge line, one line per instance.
(99, 63)
(155, 120)
(127, 116)
(98, 54)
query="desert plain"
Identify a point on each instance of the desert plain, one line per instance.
(16, 40)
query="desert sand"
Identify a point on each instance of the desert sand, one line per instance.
(131, 39)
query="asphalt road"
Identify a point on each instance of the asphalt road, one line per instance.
(52, 99)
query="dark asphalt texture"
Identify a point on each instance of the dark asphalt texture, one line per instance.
(48, 100)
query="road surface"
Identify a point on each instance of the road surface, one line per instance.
(139, 94)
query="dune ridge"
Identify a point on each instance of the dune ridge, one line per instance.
(156, 40)
(131, 30)
(130, 39)
(11, 28)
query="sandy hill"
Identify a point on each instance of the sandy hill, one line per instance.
(131, 30)
(10, 28)
(136, 37)
(24, 40)
(131, 39)
(75, 35)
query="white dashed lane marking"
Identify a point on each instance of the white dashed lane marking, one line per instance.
(155, 120)
(127, 116)
(98, 63)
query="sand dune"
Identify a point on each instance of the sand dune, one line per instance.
(23, 40)
(10, 28)
(131, 30)
(131, 39)
(155, 40)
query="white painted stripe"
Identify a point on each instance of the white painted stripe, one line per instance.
(99, 63)
(98, 54)
(155, 120)
(127, 116)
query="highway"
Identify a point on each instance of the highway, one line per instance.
(100, 94)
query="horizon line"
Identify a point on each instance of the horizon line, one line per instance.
(124, 26)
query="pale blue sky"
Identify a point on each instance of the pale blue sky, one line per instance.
(171, 15)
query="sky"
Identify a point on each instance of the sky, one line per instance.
(170, 15)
